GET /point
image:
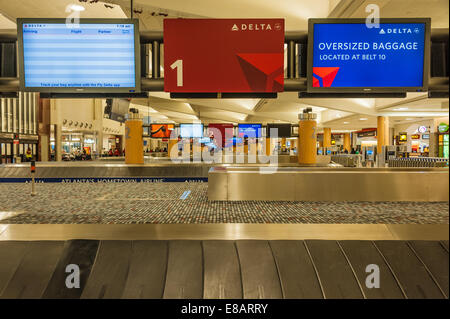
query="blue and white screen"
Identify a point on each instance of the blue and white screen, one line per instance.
(89, 56)
(249, 130)
(191, 130)
(353, 55)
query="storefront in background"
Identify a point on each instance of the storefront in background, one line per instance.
(74, 144)
(13, 147)
(366, 138)
(112, 142)
(443, 140)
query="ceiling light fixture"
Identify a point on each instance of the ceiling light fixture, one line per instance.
(76, 7)
(363, 119)
(401, 109)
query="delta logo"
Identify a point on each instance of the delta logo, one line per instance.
(399, 31)
(324, 76)
(256, 27)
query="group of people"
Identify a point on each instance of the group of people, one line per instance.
(353, 151)
(116, 152)
(77, 155)
(157, 150)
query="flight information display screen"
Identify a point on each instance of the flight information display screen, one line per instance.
(249, 130)
(355, 56)
(282, 130)
(191, 130)
(91, 57)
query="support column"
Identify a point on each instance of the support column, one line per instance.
(172, 144)
(134, 144)
(58, 146)
(387, 139)
(307, 138)
(347, 142)
(381, 133)
(43, 153)
(268, 147)
(326, 137)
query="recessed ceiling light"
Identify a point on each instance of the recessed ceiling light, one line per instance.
(401, 109)
(346, 122)
(76, 7)
(363, 119)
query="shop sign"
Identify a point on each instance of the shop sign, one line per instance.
(422, 129)
(443, 128)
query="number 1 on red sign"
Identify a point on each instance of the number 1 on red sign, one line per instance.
(179, 65)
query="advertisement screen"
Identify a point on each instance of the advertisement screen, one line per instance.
(191, 130)
(249, 130)
(403, 137)
(91, 57)
(161, 130)
(352, 55)
(223, 55)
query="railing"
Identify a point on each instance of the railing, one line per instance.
(419, 162)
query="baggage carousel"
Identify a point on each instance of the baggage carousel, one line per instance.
(249, 269)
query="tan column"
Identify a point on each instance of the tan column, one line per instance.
(44, 130)
(326, 137)
(196, 150)
(58, 144)
(172, 144)
(307, 139)
(134, 144)
(381, 133)
(387, 140)
(347, 142)
(252, 148)
(268, 146)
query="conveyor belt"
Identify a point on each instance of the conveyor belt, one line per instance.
(102, 171)
(224, 269)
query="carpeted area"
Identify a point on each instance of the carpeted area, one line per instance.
(131, 203)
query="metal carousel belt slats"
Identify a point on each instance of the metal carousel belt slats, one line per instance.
(223, 269)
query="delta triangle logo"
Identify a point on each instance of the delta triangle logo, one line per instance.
(235, 28)
(324, 76)
(382, 31)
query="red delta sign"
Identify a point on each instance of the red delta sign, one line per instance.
(223, 55)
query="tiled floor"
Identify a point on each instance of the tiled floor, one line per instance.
(131, 203)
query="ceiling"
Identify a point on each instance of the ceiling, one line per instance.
(339, 114)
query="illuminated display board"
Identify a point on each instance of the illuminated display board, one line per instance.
(345, 55)
(249, 130)
(191, 130)
(95, 55)
(161, 130)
